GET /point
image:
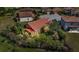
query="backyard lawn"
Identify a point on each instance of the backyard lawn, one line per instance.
(5, 21)
(73, 41)
(17, 49)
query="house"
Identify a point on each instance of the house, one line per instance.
(55, 16)
(50, 15)
(69, 23)
(34, 27)
(45, 9)
(75, 12)
(56, 10)
(69, 11)
(22, 9)
(25, 16)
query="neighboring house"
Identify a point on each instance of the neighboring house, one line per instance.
(25, 16)
(55, 16)
(56, 10)
(22, 9)
(71, 11)
(76, 12)
(34, 27)
(45, 9)
(70, 23)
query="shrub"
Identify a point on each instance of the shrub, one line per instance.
(59, 45)
(54, 26)
(62, 34)
(18, 28)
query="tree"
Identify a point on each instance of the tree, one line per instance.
(2, 11)
(18, 28)
(11, 10)
(59, 45)
(54, 26)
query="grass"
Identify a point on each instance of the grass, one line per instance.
(5, 21)
(73, 41)
(18, 49)
(6, 46)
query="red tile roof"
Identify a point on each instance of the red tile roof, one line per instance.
(26, 14)
(70, 18)
(29, 30)
(38, 24)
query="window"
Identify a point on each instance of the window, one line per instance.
(71, 23)
(75, 24)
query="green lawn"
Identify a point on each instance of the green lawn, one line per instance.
(18, 49)
(73, 41)
(5, 21)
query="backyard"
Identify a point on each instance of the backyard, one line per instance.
(5, 44)
(8, 45)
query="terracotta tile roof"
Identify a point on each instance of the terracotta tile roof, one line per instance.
(26, 14)
(38, 24)
(70, 18)
(29, 30)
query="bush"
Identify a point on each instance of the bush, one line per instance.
(54, 26)
(6, 44)
(59, 45)
(18, 28)
(62, 34)
(43, 41)
(32, 44)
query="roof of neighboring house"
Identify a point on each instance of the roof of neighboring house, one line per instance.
(25, 9)
(47, 9)
(68, 8)
(51, 16)
(70, 18)
(57, 9)
(26, 14)
(38, 24)
(74, 26)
